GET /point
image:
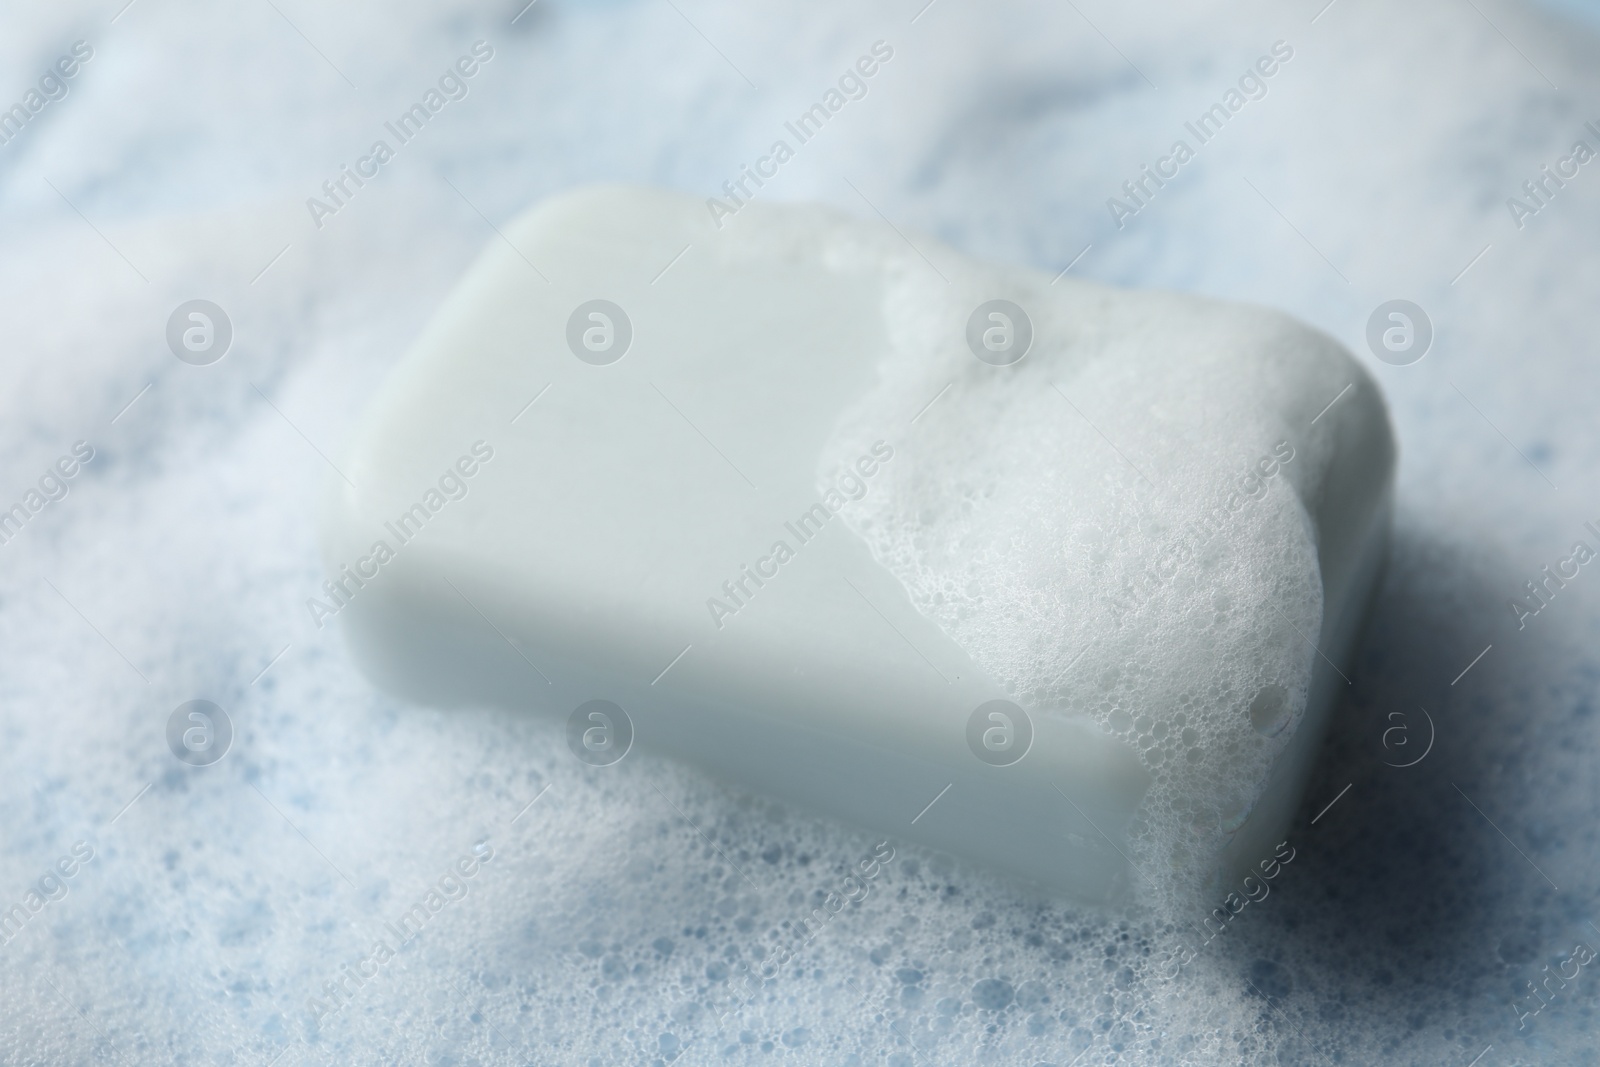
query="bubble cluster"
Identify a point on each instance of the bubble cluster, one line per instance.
(1112, 527)
(608, 929)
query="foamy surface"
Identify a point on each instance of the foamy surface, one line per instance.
(612, 918)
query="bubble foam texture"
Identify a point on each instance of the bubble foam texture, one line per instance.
(216, 903)
(1024, 526)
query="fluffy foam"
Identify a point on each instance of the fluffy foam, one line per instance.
(1398, 935)
(1089, 582)
(1029, 532)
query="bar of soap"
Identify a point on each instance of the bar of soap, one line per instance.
(1055, 577)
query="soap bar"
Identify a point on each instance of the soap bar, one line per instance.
(1058, 578)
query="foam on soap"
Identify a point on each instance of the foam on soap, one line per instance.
(1086, 588)
(1117, 526)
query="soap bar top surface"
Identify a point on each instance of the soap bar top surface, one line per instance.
(860, 485)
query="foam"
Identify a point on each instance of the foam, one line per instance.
(1177, 599)
(1399, 934)
(1030, 540)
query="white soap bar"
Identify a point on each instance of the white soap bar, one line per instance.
(1048, 575)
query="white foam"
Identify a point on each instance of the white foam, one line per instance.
(1399, 934)
(1094, 583)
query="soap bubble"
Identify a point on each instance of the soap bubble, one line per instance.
(199, 732)
(199, 332)
(599, 733)
(1269, 711)
(992, 994)
(999, 733)
(1399, 332)
(999, 332)
(599, 332)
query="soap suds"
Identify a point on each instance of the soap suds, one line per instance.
(1402, 933)
(1171, 601)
